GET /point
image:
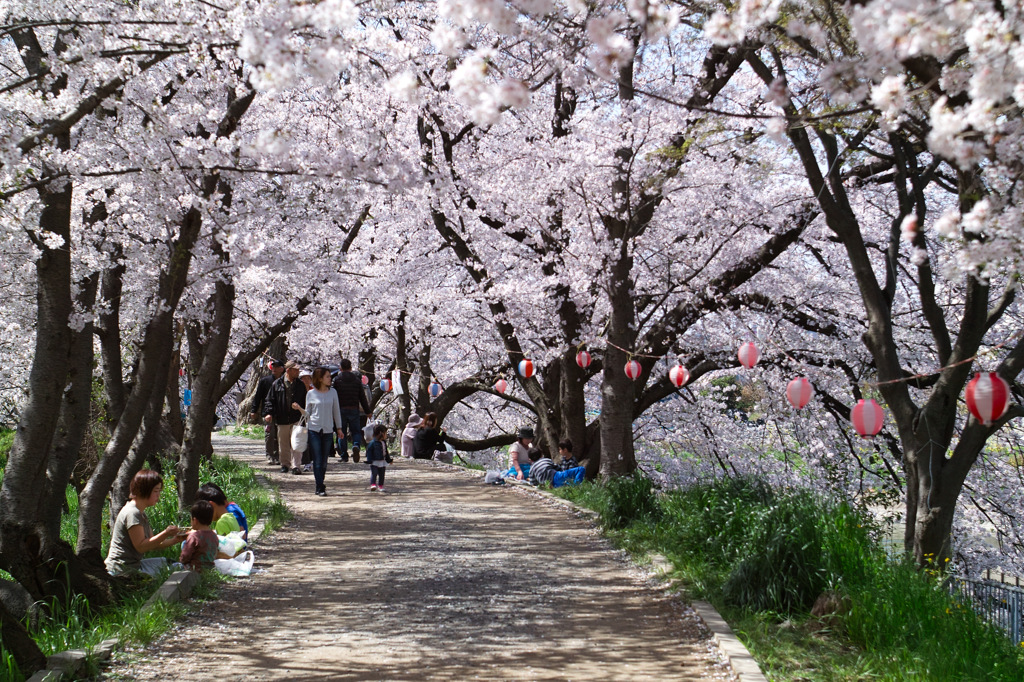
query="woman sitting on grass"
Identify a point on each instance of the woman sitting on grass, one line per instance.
(132, 537)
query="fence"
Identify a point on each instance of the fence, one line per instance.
(999, 603)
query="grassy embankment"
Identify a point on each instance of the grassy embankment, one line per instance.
(79, 626)
(763, 557)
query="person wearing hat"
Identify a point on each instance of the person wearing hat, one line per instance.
(409, 434)
(270, 428)
(282, 405)
(519, 454)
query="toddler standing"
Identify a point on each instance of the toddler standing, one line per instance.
(377, 456)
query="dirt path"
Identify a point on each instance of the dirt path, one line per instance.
(439, 578)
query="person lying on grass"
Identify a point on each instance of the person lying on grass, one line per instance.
(131, 536)
(543, 470)
(200, 548)
(224, 520)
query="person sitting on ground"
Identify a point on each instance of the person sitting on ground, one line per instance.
(568, 460)
(543, 470)
(409, 435)
(131, 536)
(519, 455)
(378, 458)
(428, 439)
(200, 549)
(224, 520)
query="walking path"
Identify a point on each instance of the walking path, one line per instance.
(441, 577)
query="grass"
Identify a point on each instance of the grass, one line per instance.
(763, 556)
(79, 626)
(250, 431)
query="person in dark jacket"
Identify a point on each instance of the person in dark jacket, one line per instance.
(280, 406)
(428, 439)
(269, 430)
(351, 396)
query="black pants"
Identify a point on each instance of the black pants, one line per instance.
(377, 475)
(270, 441)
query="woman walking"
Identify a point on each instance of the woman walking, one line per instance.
(323, 419)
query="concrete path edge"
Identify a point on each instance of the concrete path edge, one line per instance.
(744, 665)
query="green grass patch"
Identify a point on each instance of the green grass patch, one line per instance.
(763, 557)
(251, 431)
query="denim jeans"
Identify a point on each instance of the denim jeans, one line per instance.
(319, 446)
(568, 477)
(349, 429)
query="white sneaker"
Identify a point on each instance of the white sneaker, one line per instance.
(373, 487)
(307, 467)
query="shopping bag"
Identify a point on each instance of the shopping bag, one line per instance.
(300, 436)
(240, 566)
(231, 544)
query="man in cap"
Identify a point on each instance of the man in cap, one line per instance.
(269, 428)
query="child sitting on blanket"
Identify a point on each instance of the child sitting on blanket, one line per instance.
(200, 548)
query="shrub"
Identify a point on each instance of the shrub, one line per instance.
(630, 499)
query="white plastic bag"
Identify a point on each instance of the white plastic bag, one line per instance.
(232, 543)
(240, 566)
(300, 436)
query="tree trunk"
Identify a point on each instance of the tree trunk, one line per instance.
(203, 412)
(22, 531)
(74, 419)
(108, 330)
(23, 648)
(404, 372)
(151, 373)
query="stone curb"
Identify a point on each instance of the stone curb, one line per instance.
(742, 662)
(739, 657)
(71, 663)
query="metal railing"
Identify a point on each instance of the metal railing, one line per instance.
(997, 602)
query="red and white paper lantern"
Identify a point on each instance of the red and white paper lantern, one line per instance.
(500, 385)
(435, 389)
(867, 417)
(633, 369)
(385, 385)
(583, 359)
(526, 368)
(988, 397)
(748, 354)
(679, 376)
(799, 392)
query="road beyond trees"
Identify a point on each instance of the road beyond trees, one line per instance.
(441, 577)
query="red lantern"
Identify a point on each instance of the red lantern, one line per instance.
(988, 397)
(799, 392)
(366, 380)
(867, 418)
(500, 385)
(270, 364)
(678, 375)
(385, 385)
(583, 359)
(748, 355)
(633, 369)
(526, 368)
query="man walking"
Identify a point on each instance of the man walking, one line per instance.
(270, 428)
(351, 396)
(284, 393)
